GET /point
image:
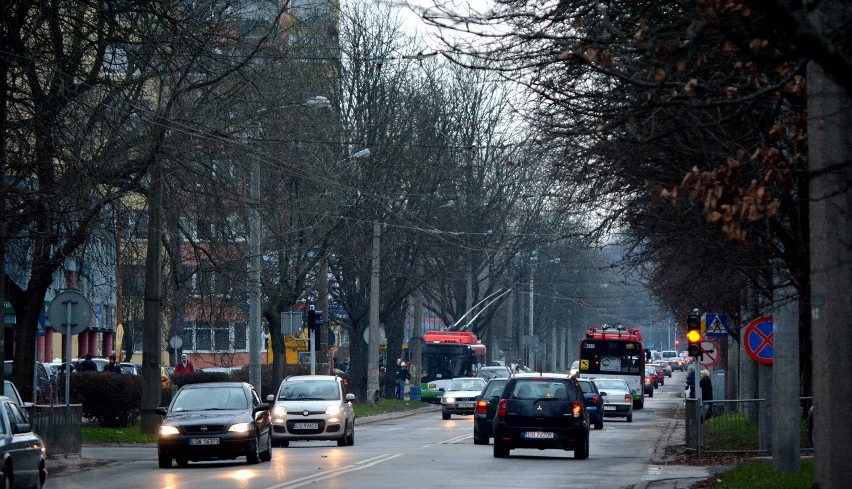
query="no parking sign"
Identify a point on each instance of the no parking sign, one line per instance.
(759, 343)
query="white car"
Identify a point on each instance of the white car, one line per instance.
(460, 396)
(617, 401)
(312, 407)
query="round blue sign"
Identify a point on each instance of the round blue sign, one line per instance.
(759, 343)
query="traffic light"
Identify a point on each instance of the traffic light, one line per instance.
(315, 326)
(693, 335)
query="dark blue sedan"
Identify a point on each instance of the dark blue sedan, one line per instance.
(594, 404)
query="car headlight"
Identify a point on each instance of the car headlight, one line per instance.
(448, 400)
(279, 410)
(167, 430)
(333, 410)
(240, 428)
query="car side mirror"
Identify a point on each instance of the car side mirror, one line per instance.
(493, 399)
(350, 397)
(441, 390)
(260, 407)
(270, 398)
(602, 393)
(21, 428)
(160, 410)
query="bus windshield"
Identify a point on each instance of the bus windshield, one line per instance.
(447, 361)
(604, 356)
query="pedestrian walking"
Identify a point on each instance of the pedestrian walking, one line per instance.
(112, 366)
(87, 365)
(184, 366)
(402, 374)
(706, 386)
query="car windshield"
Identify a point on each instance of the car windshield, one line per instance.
(611, 384)
(495, 388)
(210, 399)
(488, 374)
(467, 385)
(586, 386)
(309, 390)
(542, 389)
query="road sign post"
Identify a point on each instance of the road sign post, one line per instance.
(69, 320)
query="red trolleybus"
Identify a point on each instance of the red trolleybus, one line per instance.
(615, 351)
(447, 355)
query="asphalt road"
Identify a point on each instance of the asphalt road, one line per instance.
(420, 451)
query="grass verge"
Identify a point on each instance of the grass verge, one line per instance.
(759, 475)
(387, 406)
(130, 434)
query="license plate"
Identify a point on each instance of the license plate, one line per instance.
(546, 435)
(305, 426)
(609, 408)
(466, 404)
(203, 441)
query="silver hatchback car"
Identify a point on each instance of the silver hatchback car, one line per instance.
(312, 407)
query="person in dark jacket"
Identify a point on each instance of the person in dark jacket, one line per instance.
(112, 366)
(87, 365)
(706, 386)
(690, 383)
(401, 376)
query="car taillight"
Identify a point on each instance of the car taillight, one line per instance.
(594, 400)
(481, 406)
(577, 409)
(627, 398)
(501, 408)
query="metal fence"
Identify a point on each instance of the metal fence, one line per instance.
(743, 425)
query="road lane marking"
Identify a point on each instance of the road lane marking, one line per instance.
(361, 465)
(456, 439)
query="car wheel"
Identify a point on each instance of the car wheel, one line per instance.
(341, 442)
(582, 452)
(42, 475)
(480, 440)
(181, 461)
(500, 449)
(350, 439)
(662, 382)
(630, 417)
(445, 415)
(651, 394)
(164, 462)
(266, 455)
(253, 456)
(284, 443)
(599, 425)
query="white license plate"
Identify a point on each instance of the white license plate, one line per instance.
(203, 441)
(539, 435)
(466, 404)
(609, 408)
(305, 426)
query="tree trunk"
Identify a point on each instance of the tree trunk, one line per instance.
(830, 144)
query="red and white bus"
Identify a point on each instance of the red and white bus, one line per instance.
(447, 355)
(615, 352)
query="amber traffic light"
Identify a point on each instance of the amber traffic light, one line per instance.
(693, 335)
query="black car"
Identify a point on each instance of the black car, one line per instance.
(486, 408)
(541, 411)
(21, 450)
(214, 421)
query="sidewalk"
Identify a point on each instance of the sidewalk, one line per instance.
(663, 473)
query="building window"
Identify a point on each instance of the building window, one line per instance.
(240, 336)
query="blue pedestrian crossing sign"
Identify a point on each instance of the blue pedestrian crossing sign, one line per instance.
(715, 324)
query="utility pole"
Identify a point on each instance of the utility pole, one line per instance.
(152, 389)
(373, 344)
(254, 329)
